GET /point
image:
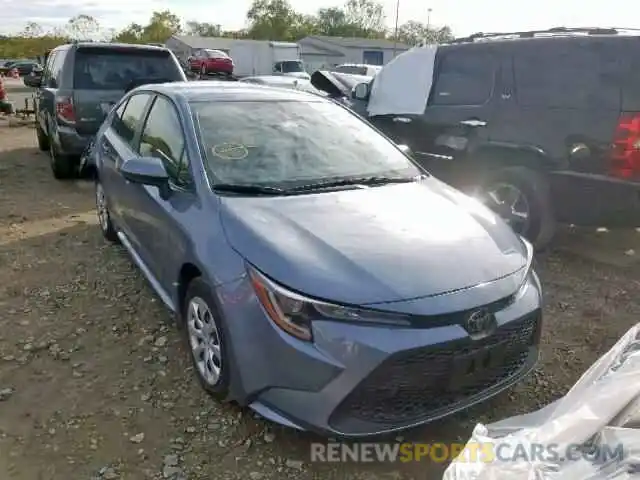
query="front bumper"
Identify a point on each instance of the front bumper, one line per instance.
(361, 380)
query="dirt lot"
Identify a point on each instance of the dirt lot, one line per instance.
(94, 384)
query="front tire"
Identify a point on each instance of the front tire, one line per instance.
(204, 336)
(522, 197)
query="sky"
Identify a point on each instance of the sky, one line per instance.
(463, 16)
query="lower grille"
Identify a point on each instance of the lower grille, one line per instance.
(425, 383)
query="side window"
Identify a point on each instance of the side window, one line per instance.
(163, 137)
(567, 75)
(464, 77)
(129, 116)
(56, 68)
(277, 67)
(46, 75)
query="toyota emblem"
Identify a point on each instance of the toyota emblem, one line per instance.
(480, 323)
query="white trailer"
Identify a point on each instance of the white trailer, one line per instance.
(251, 58)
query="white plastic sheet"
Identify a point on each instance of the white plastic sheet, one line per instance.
(404, 84)
(602, 409)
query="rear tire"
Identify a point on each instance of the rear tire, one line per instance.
(104, 217)
(43, 139)
(540, 227)
(64, 167)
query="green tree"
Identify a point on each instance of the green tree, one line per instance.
(367, 16)
(414, 33)
(161, 26)
(134, 33)
(203, 29)
(333, 21)
(32, 30)
(84, 27)
(273, 20)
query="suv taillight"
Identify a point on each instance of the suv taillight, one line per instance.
(625, 158)
(64, 109)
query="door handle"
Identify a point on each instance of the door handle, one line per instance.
(401, 120)
(473, 122)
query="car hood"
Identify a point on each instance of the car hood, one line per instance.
(374, 245)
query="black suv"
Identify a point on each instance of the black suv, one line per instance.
(79, 85)
(543, 125)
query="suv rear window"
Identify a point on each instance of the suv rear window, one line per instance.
(111, 69)
(568, 75)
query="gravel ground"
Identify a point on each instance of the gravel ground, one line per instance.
(95, 384)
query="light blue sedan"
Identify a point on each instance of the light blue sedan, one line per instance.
(318, 275)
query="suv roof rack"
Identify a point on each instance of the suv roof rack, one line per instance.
(556, 31)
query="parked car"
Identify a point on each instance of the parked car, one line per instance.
(24, 68)
(313, 267)
(543, 125)
(206, 61)
(78, 87)
(284, 82)
(358, 69)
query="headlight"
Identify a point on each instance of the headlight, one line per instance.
(524, 283)
(294, 313)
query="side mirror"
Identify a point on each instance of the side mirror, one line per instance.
(33, 80)
(406, 150)
(145, 171)
(360, 92)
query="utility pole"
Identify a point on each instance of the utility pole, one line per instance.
(395, 34)
(428, 32)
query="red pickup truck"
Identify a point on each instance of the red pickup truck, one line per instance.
(206, 61)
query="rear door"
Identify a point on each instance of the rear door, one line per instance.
(103, 74)
(118, 144)
(459, 112)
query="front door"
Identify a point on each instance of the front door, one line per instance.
(156, 221)
(459, 113)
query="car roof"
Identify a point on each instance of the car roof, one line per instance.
(116, 46)
(212, 90)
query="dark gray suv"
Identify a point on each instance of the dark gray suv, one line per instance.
(78, 87)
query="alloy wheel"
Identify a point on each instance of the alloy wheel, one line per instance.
(511, 204)
(204, 340)
(101, 208)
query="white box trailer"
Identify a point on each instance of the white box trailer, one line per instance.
(252, 58)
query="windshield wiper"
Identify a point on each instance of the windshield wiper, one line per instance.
(363, 181)
(248, 189)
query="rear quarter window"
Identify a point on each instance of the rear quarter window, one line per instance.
(116, 69)
(559, 74)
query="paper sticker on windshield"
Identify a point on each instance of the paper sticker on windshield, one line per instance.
(230, 151)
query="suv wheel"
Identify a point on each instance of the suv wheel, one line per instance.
(522, 198)
(63, 166)
(205, 339)
(43, 139)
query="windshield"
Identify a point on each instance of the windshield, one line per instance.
(292, 66)
(106, 69)
(290, 143)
